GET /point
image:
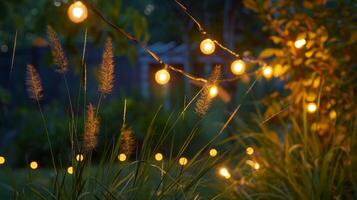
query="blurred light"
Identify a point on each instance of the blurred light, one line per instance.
(122, 157)
(225, 173)
(162, 76)
(79, 157)
(207, 46)
(238, 67)
(256, 166)
(299, 43)
(213, 91)
(33, 165)
(183, 161)
(70, 170)
(249, 150)
(2, 160)
(333, 114)
(267, 72)
(213, 152)
(77, 12)
(311, 107)
(159, 156)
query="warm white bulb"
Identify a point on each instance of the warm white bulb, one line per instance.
(299, 43)
(70, 170)
(207, 46)
(122, 157)
(2, 160)
(249, 150)
(225, 173)
(256, 166)
(213, 152)
(213, 91)
(183, 161)
(159, 156)
(162, 76)
(79, 157)
(267, 72)
(238, 67)
(311, 107)
(77, 12)
(33, 165)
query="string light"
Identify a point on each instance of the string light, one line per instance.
(311, 107)
(2, 160)
(300, 43)
(249, 150)
(256, 166)
(70, 170)
(225, 173)
(183, 161)
(122, 157)
(159, 156)
(33, 165)
(77, 12)
(207, 46)
(162, 76)
(213, 152)
(267, 71)
(79, 157)
(238, 67)
(213, 91)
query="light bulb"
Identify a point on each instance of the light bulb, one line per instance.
(225, 173)
(159, 156)
(213, 152)
(299, 43)
(213, 91)
(162, 76)
(267, 72)
(70, 170)
(311, 107)
(33, 165)
(256, 166)
(183, 161)
(79, 157)
(238, 67)
(122, 157)
(77, 12)
(207, 46)
(2, 160)
(249, 150)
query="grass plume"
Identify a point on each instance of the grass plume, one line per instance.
(127, 142)
(33, 82)
(106, 74)
(204, 101)
(59, 57)
(91, 129)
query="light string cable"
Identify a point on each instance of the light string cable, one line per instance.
(142, 45)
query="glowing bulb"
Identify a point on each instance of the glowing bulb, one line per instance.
(299, 43)
(2, 160)
(213, 91)
(159, 156)
(207, 46)
(77, 12)
(249, 150)
(183, 161)
(162, 76)
(79, 157)
(33, 165)
(213, 152)
(267, 72)
(122, 157)
(225, 173)
(238, 67)
(311, 107)
(256, 166)
(70, 170)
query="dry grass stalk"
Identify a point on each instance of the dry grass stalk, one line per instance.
(59, 57)
(204, 101)
(91, 129)
(33, 82)
(127, 140)
(106, 74)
